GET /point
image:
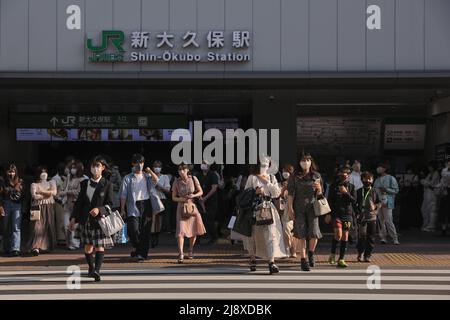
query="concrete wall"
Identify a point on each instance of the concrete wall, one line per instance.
(10, 150)
(277, 111)
(287, 35)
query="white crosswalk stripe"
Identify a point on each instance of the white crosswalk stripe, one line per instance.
(210, 283)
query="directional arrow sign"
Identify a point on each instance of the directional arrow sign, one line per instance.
(54, 121)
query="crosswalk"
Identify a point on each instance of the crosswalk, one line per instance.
(229, 283)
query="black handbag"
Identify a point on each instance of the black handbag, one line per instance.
(246, 199)
(244, 218)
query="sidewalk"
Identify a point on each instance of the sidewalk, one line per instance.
(416, 250)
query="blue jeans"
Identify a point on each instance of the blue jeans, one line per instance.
(12, 224)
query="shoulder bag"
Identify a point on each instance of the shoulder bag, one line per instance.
(188, 210)
(35, 213)
(111, 223)
(321, 206)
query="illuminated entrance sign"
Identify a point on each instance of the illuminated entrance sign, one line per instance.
(154, 121)
(189, 47)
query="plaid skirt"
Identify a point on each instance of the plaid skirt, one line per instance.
(88, 233)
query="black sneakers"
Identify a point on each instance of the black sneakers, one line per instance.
(15, 253)
(304, 265)
(252, 265)
(273, 268)
(96, 276)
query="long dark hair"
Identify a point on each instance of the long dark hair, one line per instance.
(299, 170)
(183, 166)
(16, 179)
(102, 161)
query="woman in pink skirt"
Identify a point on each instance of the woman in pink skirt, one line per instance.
(184, 190)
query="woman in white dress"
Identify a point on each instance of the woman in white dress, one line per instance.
(266, 241)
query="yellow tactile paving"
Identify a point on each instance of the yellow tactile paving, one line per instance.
(224, 256)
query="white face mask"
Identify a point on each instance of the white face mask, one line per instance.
(204, 167)
(286, 175)
(96, 171)
(73, 171)
(380, 170)
(306, 164)
(44, 176)
(157, 170)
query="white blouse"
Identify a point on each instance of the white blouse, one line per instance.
(271, 188)
(38, 198)
(90, 190)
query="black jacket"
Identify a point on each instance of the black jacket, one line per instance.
(102, 197)
(342, 204)
(363, 211)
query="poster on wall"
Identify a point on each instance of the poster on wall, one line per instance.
(32, 135)
(442, 152)
(98, 135)
(404, 136)
(339, 135)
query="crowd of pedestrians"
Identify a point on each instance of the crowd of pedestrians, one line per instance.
(272, 215)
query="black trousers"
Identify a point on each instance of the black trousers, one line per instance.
(167, 216)
(366, 238)
(138, 228)
(209, 219)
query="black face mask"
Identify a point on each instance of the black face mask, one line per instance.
(367, 184)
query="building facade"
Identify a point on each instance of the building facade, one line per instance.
(359, 79)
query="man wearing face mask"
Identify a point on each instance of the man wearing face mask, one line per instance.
(209, 182)
(163, 191)
(387, 187)
(138, 202)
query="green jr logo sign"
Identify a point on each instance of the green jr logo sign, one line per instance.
(116, 38)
